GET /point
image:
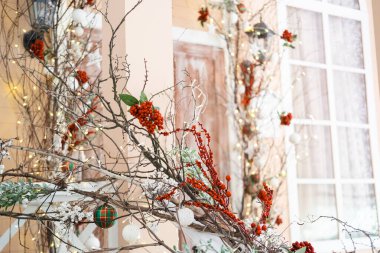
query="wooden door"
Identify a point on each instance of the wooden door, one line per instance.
(205, 65)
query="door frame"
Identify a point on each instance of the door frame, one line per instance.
(198, 37)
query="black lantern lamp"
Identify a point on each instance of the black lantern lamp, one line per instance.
(30, 37)
(261, 36)
(41, 13)
(259, 57)
(261, 31)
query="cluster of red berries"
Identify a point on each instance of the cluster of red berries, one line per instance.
(217, 190)
(82, 77)
(278, 220)
(221, 200)
(203, 15)
(288, 36)
(217, 197)
(206, 155)
(219, 209)
(266, 196)
(248, 79)
(258, 229)
(167, 196)
(72, 134)
(299, 245)
(286, 119)
(90, 2)
(74, 139)
(37, 49)
(148, 116)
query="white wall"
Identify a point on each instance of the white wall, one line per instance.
(146, 35)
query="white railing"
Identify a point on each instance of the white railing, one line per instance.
(43, 203)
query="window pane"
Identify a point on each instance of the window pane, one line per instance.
(354, 153)
(350, 97)
(346, 3)
(359, 207)
(314, 155)
(346, 42)
(308, 26)
(310, 93)
(317, 200)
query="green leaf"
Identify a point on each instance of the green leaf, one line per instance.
(128, 99)
(143, 97)
(301, 250)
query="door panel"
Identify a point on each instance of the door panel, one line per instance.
(205, 65)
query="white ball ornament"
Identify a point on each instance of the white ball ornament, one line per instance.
(92, 243)
(79, 17)
(234, 18)
(295, 138)
(275, 182)
(79, 31)
(72, 82)
(131, 233)
(259, 162)
(185, 216)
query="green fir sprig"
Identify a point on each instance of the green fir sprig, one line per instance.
(12, 193)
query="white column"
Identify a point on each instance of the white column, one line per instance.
(146, 35)
(149, 36)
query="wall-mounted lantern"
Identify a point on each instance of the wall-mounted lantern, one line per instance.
(42, 13)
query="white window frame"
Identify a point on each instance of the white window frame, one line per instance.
(361, 15)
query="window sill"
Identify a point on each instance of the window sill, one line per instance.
(338, 246)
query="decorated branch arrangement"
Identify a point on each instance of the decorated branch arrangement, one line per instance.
(67, 174)
(255, 97)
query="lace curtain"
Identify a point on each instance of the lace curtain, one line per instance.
(315, 154)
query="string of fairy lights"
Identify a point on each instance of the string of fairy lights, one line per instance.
(255, 43)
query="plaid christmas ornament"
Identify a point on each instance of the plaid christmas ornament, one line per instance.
(104, 216)
(68, 166)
